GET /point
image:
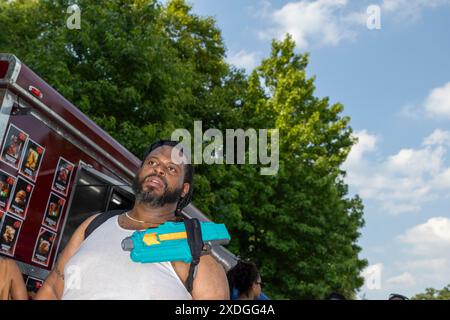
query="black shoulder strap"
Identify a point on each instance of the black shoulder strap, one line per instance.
(100, 219)
(195, 241)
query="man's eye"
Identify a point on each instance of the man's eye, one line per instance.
(172, 169)
(151, 163)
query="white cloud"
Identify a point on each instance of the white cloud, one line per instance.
(410, 10)
(402, 182)
(412, 111)
(372, 276)
(392, 5)
(330, 22)
(429, 244)
(395, 207)
(431, 264)
(405, 279)
(244, 59)
(442, 180)
(422, 258)
(438, 137)
(366, 144)
(437, 103)
(322, 21)
(429, 238)
(429, 271)
(415, 162)
(356, 18)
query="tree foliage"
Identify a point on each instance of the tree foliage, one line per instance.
(434, 294)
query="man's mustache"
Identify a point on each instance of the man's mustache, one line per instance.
(155, 175)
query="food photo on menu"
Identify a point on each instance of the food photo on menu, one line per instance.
(6, 184)
(13, 146)
(62, 177)
(9, 233)
(21, 198)
(32, 160)
(53, 211)
(43, 247)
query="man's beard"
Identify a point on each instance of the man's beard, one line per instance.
(150, 198)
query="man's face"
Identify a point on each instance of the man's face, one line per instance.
(160, 180)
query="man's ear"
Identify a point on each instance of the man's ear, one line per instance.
(186, 188)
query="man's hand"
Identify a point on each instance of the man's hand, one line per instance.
(18, 289)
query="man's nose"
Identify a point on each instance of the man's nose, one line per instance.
(159, 170)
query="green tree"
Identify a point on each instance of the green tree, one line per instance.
(303, 226)
(134, 66)
(434, 294)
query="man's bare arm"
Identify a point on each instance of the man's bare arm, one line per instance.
(210, 282)
(18, 289)
(53, 287)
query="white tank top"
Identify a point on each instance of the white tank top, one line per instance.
(101, 270)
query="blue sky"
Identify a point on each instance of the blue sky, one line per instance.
(395, 85)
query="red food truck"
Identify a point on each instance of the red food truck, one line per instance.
(57, 167)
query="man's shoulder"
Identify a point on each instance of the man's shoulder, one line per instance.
(87, 222)
(79, 234)
(95, 221)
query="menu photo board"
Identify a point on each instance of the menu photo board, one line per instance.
(10, 227)
(20, 198)
(43, 247)
(13, 146)
(32, 160)
(63, 173)
(53, 211)
(7, 182)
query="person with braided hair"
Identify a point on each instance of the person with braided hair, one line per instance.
(96, 267)
(245, 278)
